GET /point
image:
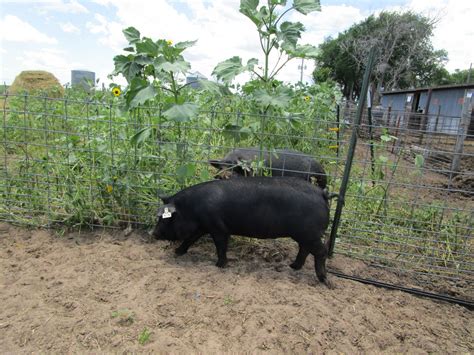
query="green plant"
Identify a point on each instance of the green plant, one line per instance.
(124, 316)
(228, 301)
(144, 336)
(273, 35)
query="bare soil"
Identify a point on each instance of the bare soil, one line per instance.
(103, 291)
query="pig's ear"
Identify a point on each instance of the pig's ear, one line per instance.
(216, 164)
(164, 198)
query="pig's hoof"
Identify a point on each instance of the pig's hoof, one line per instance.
(328, 284)
(180, 251)
(221, 263)
(296, 266)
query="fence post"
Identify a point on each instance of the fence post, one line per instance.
(350, 154)
(338, 113)
(462, 130)
(437, 119)
(424, 117)
(371, 136)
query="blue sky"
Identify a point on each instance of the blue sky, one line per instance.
(61, 35)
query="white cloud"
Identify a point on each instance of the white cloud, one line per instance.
(13, 29)
(52, 60)
(68, 27)
(222, 31)
(455, 33)
(110, 32)
(71, 7)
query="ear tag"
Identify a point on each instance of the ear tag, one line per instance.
(166, 213)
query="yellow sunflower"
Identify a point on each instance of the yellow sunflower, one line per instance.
(307, 98)
(109, 189)
(169, 42)
(116, 91)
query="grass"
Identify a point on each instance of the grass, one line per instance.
(124, 316)
(144, 336)
(228, 301)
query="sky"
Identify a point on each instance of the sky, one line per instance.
(64, 35)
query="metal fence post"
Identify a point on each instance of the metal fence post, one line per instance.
(338, 113)
(371, 136)
(350, 154)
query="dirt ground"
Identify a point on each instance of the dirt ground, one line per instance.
(106, 292)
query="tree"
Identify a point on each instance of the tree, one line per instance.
(461, 77)
(405, 55)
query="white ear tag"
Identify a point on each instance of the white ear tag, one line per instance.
(167, 213)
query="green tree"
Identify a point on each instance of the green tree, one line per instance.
(461, 77)
(405, 55)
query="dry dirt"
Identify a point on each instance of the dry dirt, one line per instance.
(99, 291)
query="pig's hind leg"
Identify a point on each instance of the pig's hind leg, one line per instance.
(309, 243)
(300, 258)
(320, 253)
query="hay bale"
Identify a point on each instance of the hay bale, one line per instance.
(37, 82)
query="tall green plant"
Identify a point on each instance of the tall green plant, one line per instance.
(153, 70)
(274, 35)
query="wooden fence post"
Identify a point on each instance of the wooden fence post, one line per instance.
(462, 130)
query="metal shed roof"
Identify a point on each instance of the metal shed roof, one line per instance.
(442, 87)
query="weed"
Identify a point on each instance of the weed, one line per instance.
(228, 301)
(124, 316)
(144, 336)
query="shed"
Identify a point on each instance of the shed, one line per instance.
(436, 109)
(193, 79)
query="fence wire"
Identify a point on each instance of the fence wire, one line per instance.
(409, 203)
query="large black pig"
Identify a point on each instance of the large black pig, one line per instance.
(281, 162)
(259, 207)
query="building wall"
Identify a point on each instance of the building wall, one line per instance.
(395, 101)
(448, 102)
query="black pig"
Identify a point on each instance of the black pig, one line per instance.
(281, 162)
(259, 207)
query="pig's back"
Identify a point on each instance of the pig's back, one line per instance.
(259, 206)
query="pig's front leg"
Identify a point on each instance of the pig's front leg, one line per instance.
(183, 248)
(221, 240)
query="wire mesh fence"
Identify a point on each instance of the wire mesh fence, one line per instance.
(412, 205)
(409, 203)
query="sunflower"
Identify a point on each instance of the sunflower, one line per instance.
(116, 91)
(109, 189)
(307, 98)
(169, 42)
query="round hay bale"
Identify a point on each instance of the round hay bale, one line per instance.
(36, 82)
